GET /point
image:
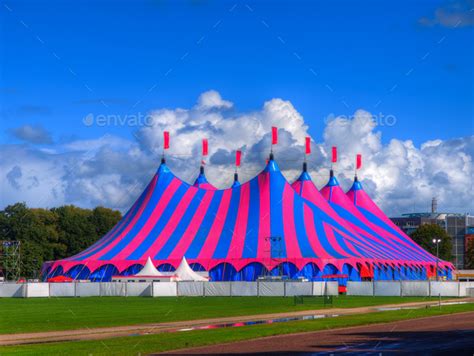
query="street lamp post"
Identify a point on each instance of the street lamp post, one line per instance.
(436, 242)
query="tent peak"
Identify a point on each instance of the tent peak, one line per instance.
(332, 179)
(356, 185)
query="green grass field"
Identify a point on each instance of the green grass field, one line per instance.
(163, 342)
(47, 314)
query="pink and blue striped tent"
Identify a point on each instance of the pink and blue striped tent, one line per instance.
(404, 258)
(260, 227)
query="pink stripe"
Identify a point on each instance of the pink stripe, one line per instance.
(291, 241)
(172, 224)
(216, 229)
(312, 234)
(333, 241)
(238, 239)
(264, 222)
(130, 226)
(193, 227)
(151, 222)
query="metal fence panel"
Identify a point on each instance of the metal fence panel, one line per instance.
(89, 289)
(217, 289)
(332, 288)
(464, 287)
(360, 288)
(35, 290)
(387, 288)
(139, 289)
(62, 290)
(12, 290)
(113, 289)
(415, 288)
(244, 289)
(165, 289)
(191, 289)
(298, 288)
(444, 289)
(271, 289)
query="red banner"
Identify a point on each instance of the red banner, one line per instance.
(204, 147)
(308, 145)
(238, 155)
(334, 154)
(274, 135)
(358, 161)
(166, 140)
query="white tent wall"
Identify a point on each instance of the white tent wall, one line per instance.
(271, 289)
(191, 289)
(12, 290)
(360, 288)
(415, 288)
(244, 289)
(139, 289)
(298, 288)
(217, 289)
(62, 289)
(37, 290)
(444, 289)
(113, 289)
(165, 289)
(387, 289)
(87, 289)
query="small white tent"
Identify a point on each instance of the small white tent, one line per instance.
(149, 270)
(186, 273)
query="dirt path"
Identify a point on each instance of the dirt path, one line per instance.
(433, 335)
(144, 329)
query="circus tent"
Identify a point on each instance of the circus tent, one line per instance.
(264, 226)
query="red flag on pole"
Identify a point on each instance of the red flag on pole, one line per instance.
(204, 147)
(334, 154)
(358, 161)
(166, 139)
(238, 155)
(308, 145)
(274, 135)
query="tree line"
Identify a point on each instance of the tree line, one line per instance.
(51, 234)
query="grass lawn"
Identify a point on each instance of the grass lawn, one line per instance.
(47, 314)
(134, 345)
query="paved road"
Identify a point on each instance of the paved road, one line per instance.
(447, 334)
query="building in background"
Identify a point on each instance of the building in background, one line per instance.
(458, 226)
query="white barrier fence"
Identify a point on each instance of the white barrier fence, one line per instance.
(228, 289)
(410, 288)
(168, 289)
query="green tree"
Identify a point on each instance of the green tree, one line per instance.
(104, 219)
(424, 236)
(469, 259)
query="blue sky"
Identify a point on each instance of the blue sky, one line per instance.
(373, 55)
(230, 70)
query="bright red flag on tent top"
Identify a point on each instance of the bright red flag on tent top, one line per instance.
(204, 147)
(166, 139)
(274, 135)
(308, 145)
(238, 155)
(358, 161)
(334, 154)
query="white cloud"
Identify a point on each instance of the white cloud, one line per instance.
(112, 171)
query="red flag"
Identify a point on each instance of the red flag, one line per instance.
(204, 147)
(334, 154)
(166, 139)
(238, 155)
(274, 135)
(358, 161)
(308, 145)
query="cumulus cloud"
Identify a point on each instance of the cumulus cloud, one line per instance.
(32, 134)
(452, 15)
(112, 171)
